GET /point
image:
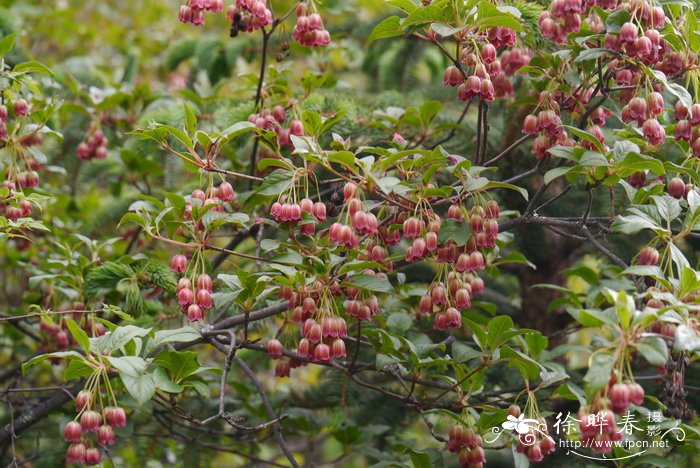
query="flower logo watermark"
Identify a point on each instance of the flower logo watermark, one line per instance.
(595, 432)
(526, 429)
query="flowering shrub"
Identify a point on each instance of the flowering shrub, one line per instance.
(463, 234)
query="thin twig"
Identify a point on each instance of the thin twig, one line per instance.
(276, 427)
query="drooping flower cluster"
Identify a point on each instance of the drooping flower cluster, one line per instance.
(481, 73)
(248, 16)
(195, 288)
(468, 445)
(84, 448)
(535, 443)
(94, 147)
(309, 30)
(193, 12)
(272, 119)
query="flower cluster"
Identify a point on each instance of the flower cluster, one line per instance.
(481, 73)
(468, 445)
(193, 12)
(272, 119)
(309, 30)
(102, 424)
(94, 147)
(248, 16)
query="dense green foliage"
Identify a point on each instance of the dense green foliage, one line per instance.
(349, 233)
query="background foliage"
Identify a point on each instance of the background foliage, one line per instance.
(591, 275)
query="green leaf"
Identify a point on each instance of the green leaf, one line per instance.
(190, 119)
(463, 353)
(32, 67)
(591, 54)
(669, 208)
(555, 173)
(133, 366)
(489, 15)
(123, 335)
(654, 350)
(498, 330)
(453, 230)
(634, 162)
(312, 122)
(77, 369)
(346, 158)
(201, 388)
(71, 355)
(632, 224)
(141, 387)
(371, 283)
(584, 135)
(427, 14)
(419, 459)
(599, 370)
(331, 122)
(616, 19)
(390, 27)
(238, 129)
(185, 334)
(624, 306)
(163, 382)
(496, 184)
(686, 339)
(399, 322)
(428, 110)
(526, 365)
(78, 335)
(181, 364)
(277, 182)
(409, 6)
(593, 159)
(514, 257)
(7, 43)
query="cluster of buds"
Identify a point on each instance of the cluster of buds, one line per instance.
(12, 208)
(20, 108)
(193, 12)
(22, 168)
(323, 342)
(215, 199)
(82, 449)
(22, 179)
(536, 443)
(309, 30)
(513, 60)
(362, 308)
(94, 147)
(644, 112)
(661, 327)
(667, 329)
(481, 73)
(193, 300)
(548, 126)
(248, 16)
(688, 126)
(272, 119)
(55, 336)
(598, 429)
(478, 84)
(294, 213)
(447, 301)
(468, 445)
(322, 329)
(563, 17)
(621, 394)
(357, 222)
